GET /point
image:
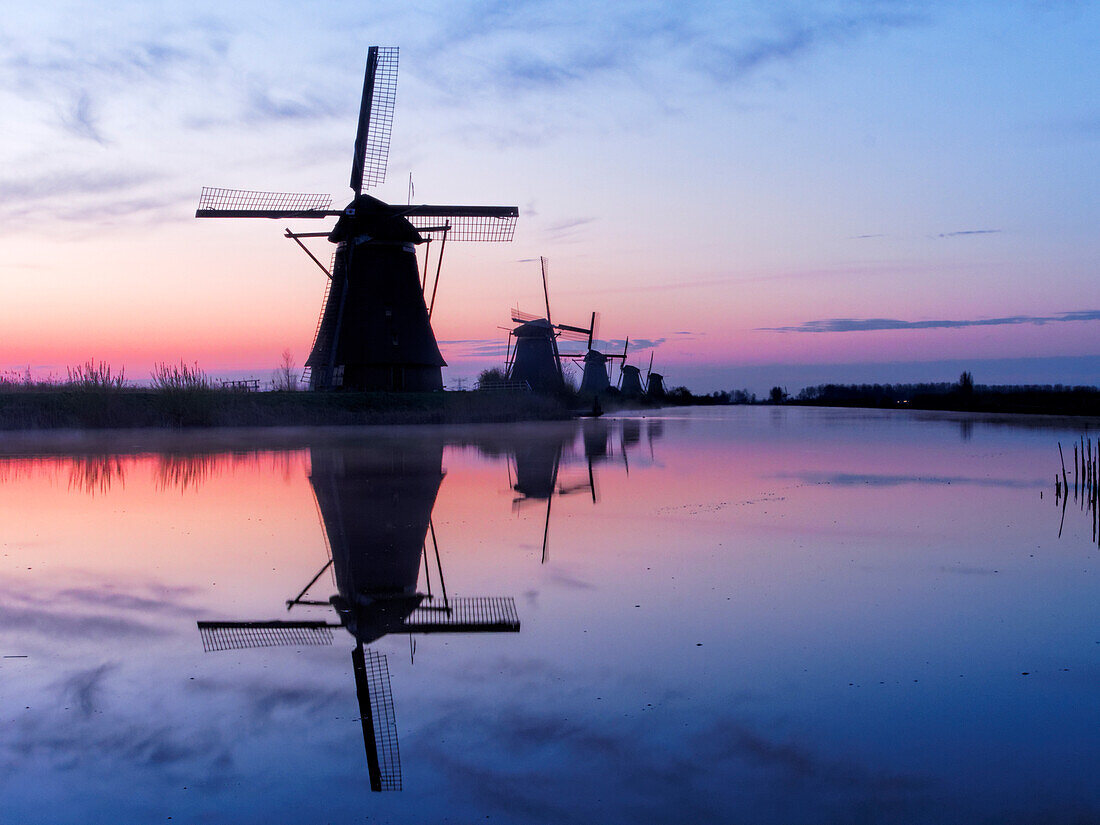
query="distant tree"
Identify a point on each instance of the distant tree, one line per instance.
(742, 397)
(491, 378)
(777, 395)
(285, 377)
(679, 395)
(966, 383)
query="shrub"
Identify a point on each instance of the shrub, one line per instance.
(93, 376)
(167, 377)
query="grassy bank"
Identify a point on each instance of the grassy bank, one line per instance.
(99, 408)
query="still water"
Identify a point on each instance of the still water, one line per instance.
(735, 615)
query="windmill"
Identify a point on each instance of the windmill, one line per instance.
(375, 505)
(535, 358)
(374, 331)
(654, 383)
(597, 369)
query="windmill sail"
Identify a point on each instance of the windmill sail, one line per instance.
(243, 635)
(246, 203)
(372, 138)
(375, 694)
(465, 223)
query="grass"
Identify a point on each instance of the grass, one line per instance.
(79, 407)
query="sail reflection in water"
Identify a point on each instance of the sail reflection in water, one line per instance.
(376, 505)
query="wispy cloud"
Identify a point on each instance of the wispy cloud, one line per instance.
(792, 37)
(79, 119)
(876, 324)
(963, 232)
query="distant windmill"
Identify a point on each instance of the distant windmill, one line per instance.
(597, 368)
(654, 383)
(535, 360)
(376, 506)
(374, 331)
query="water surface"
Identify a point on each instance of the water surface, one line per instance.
(742, 614)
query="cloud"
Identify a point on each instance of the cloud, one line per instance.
(265, 106)
(475, 347)
(897, 480)
(792, 38)
(83, 688)
(963, 232)
(877, 324)
(79, 119)
(636, 344)
(71, 183)
(563, 229)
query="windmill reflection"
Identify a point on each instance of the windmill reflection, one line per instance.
(376, 504)
(542, 464)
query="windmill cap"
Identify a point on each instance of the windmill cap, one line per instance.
(369, 216)
(539, 328)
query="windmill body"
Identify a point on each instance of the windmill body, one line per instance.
(656, 388)
(536, 361)
(595, 380)
(631, 386)
(374, 332)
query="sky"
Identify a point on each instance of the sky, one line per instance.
(755, 192)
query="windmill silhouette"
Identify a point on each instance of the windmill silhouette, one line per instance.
(535, 360)
(376, 505)
(374, 331)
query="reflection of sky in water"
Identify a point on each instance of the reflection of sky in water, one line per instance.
(766, 615)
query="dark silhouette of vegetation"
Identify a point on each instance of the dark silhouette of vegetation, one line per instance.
(964, 395)
(182, 395)
(488, 379)
(778, 395)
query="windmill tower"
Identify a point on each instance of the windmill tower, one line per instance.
(598, 366)
(654, 383)
(535, 359)
(374, 332)
(631, 382)
(375, 505)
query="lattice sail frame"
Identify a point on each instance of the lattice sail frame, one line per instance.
(214, 199)
(467, 227)
(385, 720)
(243, 635)
(464, 614)
(373, 156)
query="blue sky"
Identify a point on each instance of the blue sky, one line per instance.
(746, 186)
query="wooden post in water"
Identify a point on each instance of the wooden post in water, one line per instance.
(1065, 483)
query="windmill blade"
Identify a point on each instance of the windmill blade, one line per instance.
(372, 138)
(469, 614)
(520, 317)
(242, 635)
(245, 203)
(622, 363)
(545, 264)
(373, 689)
(464, 223)
(593, 329)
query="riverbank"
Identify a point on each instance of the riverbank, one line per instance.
(67, 408)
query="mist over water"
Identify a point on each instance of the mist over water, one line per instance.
(729, 614)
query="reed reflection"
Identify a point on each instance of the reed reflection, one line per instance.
(1086, 484)
(376, 506)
